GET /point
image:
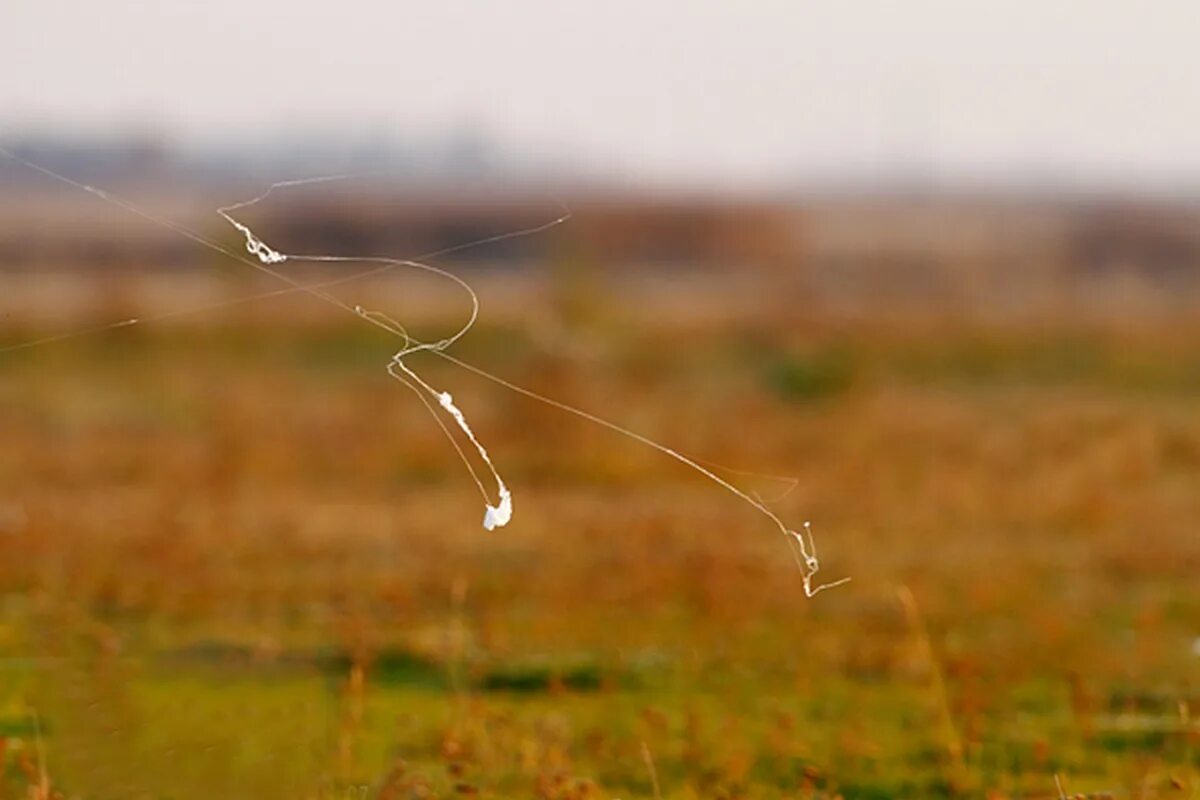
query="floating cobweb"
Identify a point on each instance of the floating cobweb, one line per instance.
(498, 502)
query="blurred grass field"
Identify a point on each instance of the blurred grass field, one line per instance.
(236, 560)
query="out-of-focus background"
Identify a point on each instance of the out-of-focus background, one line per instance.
(927, 274)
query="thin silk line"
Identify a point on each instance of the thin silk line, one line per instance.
(801, 543)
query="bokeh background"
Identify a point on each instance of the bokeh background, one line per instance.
(927, 274)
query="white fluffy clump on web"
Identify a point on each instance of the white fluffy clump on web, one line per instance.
(498, 506)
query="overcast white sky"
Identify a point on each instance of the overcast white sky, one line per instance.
(740, 90)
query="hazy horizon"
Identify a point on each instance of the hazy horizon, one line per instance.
(756, 94)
